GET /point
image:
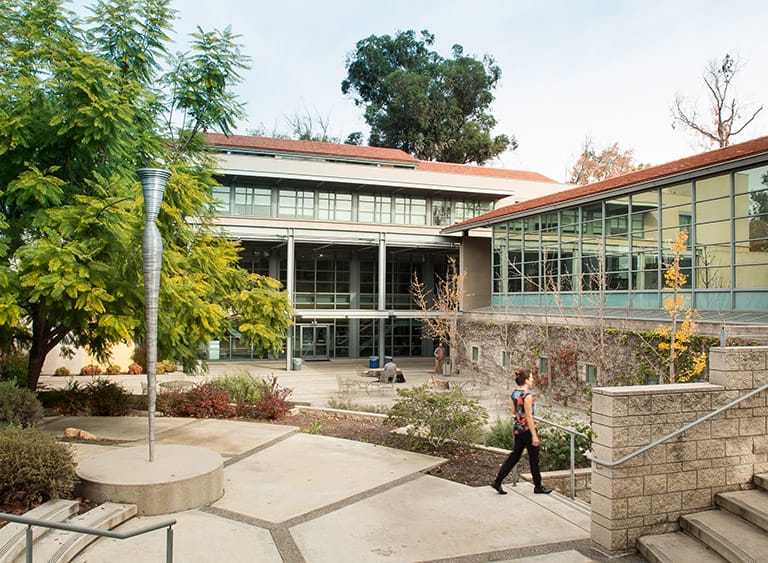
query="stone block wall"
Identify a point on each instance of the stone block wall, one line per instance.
(649, 493)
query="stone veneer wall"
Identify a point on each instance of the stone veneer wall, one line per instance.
(649, 493)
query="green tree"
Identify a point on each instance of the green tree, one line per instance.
(82, 105)
(428, 106)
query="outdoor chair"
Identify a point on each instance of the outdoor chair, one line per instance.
(349, 385)
(376, 387)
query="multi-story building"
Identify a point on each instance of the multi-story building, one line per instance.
(345, 228)
(600, 253)
(621, 228)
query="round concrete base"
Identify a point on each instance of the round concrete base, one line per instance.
(179, 478)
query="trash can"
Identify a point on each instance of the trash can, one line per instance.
(373, 362)
(296, 364)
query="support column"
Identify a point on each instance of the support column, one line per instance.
(290, 281)
(382, 293)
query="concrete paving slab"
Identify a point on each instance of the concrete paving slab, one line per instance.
(87, 451)
(227, 437)
(430, 519)
(198, 538)
(127, 428)
(306, 472)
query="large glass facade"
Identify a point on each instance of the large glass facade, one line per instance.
(619, 248)
(345, 278)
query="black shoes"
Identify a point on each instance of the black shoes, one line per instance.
(536, 490)
(498, 488)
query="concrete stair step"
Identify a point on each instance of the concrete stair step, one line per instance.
(676, 547)
(59, 546)
(751, 505)
(13, 537)
(732, 537)
(761, 481)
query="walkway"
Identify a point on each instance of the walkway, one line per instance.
(294, 497)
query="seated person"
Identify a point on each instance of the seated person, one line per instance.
(390, 372)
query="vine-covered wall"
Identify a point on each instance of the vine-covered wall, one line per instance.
(570, 358)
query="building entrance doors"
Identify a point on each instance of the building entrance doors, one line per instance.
(313, 341)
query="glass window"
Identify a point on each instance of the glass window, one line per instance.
(251, 201)
(441, 212)
(299, 204)
(475, 353)
(333, 206)
(591, 374)
(467, 209)
(680, 194)
(221, 195)
(374, 208)
(716, 187)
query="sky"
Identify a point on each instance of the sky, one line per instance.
(609, 69)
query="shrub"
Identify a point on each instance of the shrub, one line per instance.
(113, 369)
(135, 369)
(273, 401)
(555, 453)
(241, 387)
(439, 418)
(90, 369)
(166, 366)
(72, 400)
(33, 467)
(107, 398)
(62, 372)
(19, 405)
(555, 444)
(205, 401)
(14, 367)
(169, 401)
(501, 434)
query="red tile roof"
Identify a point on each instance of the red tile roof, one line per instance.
(449, 168)
(357, 152)
(684, 165)
(268, 144)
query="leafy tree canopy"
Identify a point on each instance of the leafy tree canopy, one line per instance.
(419, 102)
(83, 103)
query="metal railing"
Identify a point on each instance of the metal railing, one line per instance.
(91, 531)
(679, 431)
(572, 433)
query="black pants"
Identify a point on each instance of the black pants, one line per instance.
(522, 441)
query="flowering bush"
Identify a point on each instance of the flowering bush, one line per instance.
(135, 369)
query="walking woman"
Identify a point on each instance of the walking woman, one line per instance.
(523, 409)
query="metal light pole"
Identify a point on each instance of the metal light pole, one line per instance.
(153, 181)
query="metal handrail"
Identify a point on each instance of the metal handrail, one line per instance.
(573, 433)
(91, 531)
(688, 426)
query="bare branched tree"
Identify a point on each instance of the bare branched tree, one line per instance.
(726, 116)
(441, 306)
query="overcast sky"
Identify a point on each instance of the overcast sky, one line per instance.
(570, 68)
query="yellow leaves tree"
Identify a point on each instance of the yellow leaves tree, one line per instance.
(677, 339)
